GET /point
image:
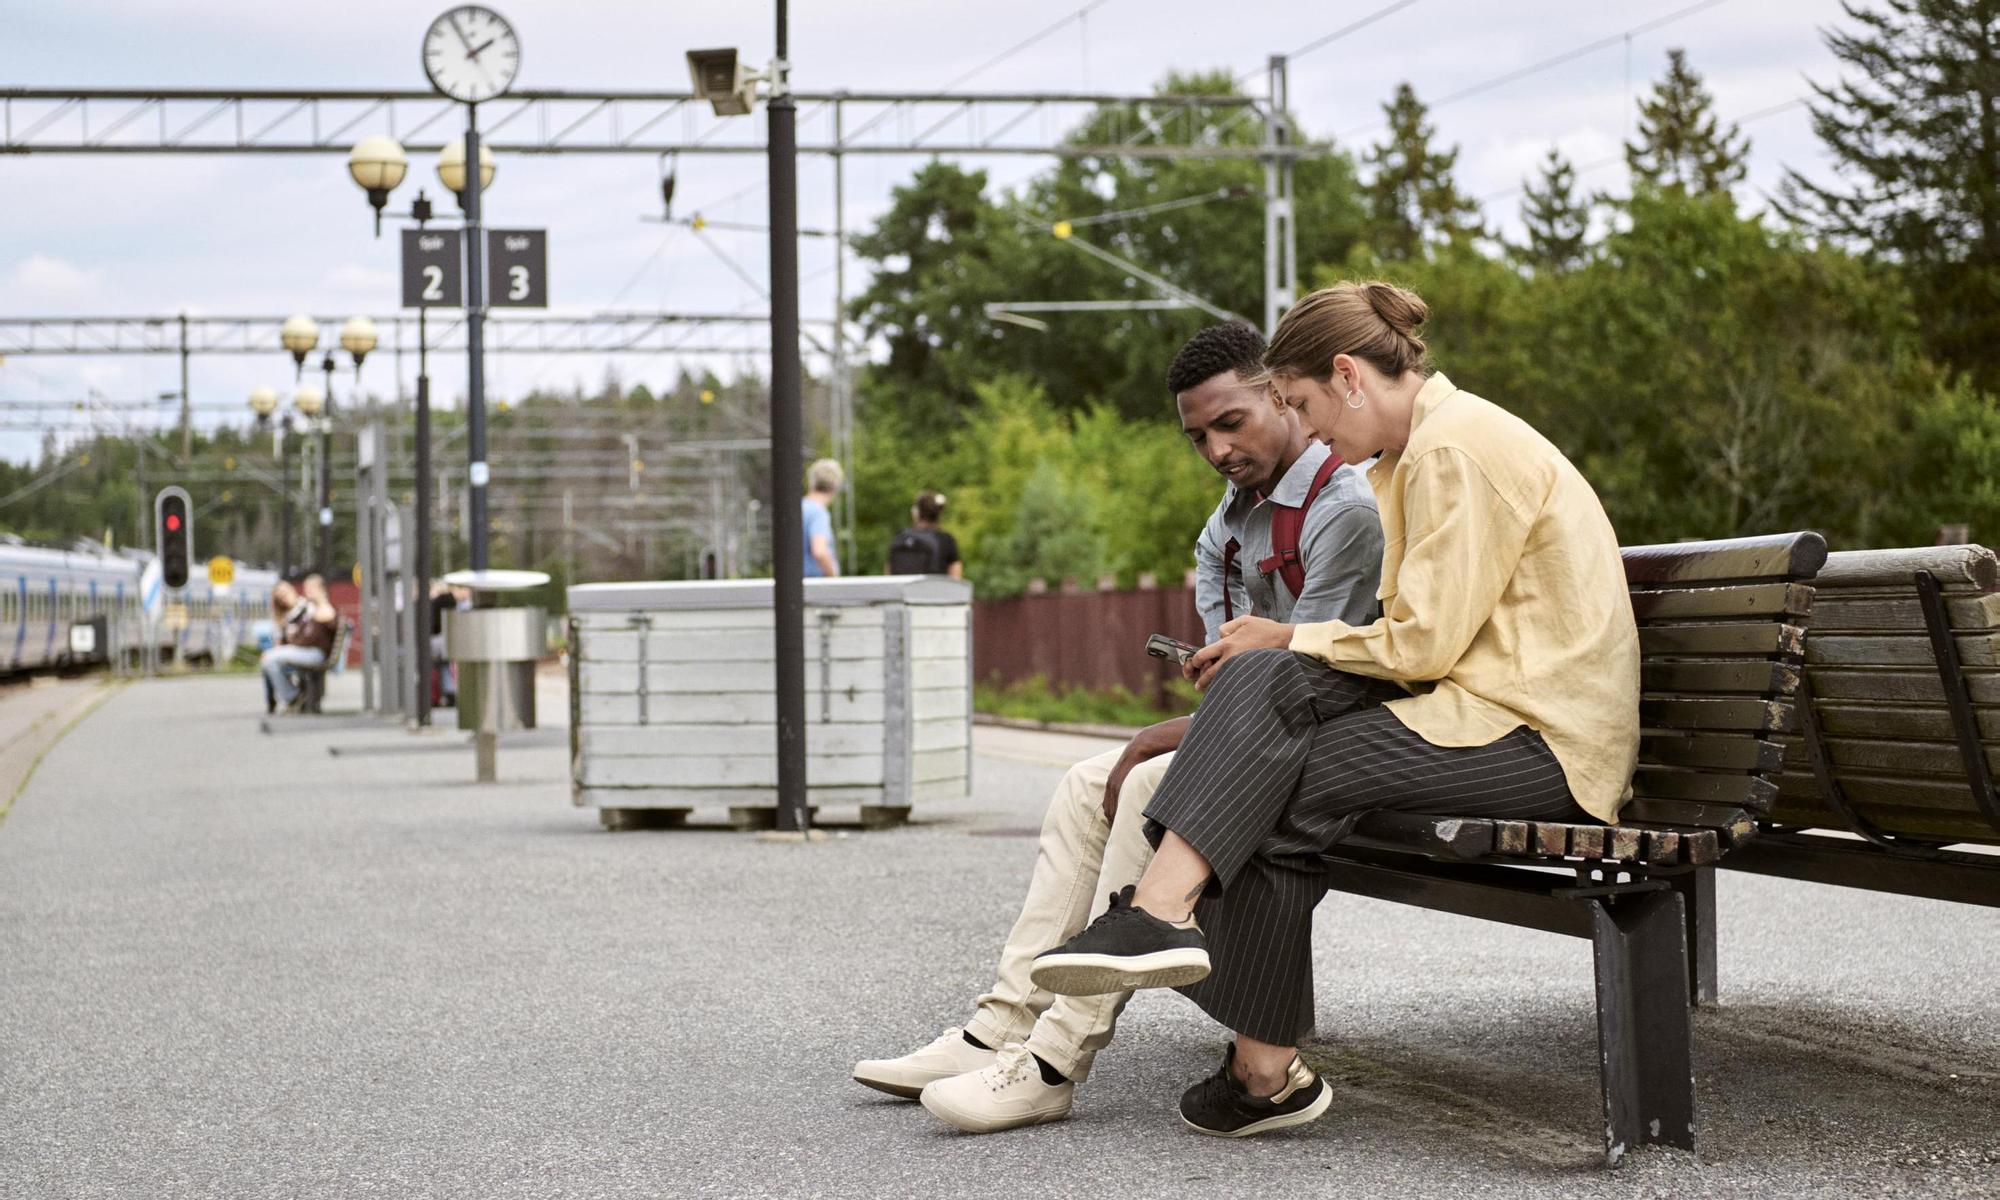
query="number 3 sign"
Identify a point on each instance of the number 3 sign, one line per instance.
(519, 261)
(431, 270)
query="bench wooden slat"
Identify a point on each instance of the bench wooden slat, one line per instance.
(1919, 687)
(1931, 724)
(1587, 841)
(1622, 844)
(1663, 846)
(1427, 834)
(1755, 677)
(1954, 566)
(1886, 757)
(1749, 600)
(1551, 838)
(1746, 715)
(1778, 556)
(1921, 823)
(1723, 637)
(1510, 837)
(1715, 751)
(1863, 789)
(1839, 613)
(1743, 791)
(1733, 825)
(1974, 650)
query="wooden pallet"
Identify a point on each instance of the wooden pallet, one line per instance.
(748, 818)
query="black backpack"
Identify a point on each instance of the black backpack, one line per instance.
(916, 552)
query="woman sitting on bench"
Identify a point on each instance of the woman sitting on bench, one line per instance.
(1502, 680)
(306, 634)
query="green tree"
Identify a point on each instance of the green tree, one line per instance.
(1049, 537)
(1413, 201)
(1556, 217)
(1681, 142)
(1914, 131)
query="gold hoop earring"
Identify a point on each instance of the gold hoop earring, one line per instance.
(1352, 403)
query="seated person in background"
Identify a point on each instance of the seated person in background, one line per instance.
(923, 548)
(306, 619)
(1018, 1059)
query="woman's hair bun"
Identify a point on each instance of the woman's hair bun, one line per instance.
(1402, 310)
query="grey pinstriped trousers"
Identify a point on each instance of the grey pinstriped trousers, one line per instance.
(1284, 753)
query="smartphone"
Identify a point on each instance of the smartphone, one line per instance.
(1161, 646)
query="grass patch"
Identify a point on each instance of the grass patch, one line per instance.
(1035, 700)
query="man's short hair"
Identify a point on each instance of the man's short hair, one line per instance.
(825, 476)
(1231, 346)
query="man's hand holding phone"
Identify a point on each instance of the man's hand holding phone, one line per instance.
(1239, 635)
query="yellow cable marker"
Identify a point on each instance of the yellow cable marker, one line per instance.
(1062, 229)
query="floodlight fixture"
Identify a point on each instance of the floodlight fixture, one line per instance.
(728, 85)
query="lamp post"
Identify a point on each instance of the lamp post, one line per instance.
(469, 185)
(377, 166)
(323, 561)
(264, 402)
(728, 86)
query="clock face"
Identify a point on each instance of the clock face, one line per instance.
(471, 54)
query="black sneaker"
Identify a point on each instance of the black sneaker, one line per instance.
(1125, 949)
(1221, 1107)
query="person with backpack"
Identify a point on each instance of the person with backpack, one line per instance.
(923, 548)
(1296, 537)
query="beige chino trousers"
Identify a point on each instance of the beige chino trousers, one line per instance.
(1083, 859)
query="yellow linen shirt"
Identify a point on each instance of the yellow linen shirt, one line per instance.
(1503, 597)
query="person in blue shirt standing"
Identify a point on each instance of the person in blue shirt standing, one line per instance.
(823, 480)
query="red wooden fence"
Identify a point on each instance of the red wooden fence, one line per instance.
(1091, 639)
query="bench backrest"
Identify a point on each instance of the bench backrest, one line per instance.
(1889, 740)
(1722, 641)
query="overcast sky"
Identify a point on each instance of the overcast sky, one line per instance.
(160, 234)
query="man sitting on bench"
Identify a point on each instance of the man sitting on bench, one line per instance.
(306, 635)
(1505, 613)
(1295, 537)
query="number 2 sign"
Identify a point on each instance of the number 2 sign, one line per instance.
(519, 262)
(431, 277)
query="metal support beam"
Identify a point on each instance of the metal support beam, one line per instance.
(1281, 260)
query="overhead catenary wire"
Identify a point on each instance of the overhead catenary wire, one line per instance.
(1570, 55)
(1613, 160)
(1328, 39)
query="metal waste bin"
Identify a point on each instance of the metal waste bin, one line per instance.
(496, 650)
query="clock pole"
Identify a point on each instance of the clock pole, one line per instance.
(477, 472)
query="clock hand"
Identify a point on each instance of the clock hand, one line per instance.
(488, 42)
(463, 39)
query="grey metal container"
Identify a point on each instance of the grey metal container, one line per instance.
(495, 651)
(673, 700)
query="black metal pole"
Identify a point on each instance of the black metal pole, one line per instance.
(421, 573)
(787, 441)
(475, 347)
(284, 497)
(324, 560)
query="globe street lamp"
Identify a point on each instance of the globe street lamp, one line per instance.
(299, 334)
(451, 169)
(378, 164)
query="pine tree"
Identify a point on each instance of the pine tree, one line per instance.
(1412, 198)
(1915, 137)
(1681, 144)
(1557, 220)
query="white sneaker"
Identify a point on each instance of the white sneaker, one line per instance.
(1006, 1095)
(949, 1055)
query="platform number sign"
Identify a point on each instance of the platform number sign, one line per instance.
(517, 264)
(173, 533)
(431, 274)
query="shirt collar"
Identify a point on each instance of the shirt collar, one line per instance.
(1292, 486)
(1436, 390)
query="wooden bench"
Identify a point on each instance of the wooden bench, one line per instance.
(1900, 737)
(1722, 638)
(312, 680)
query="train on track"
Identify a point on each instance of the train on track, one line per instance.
(45, 593)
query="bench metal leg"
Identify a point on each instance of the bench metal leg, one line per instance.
(1644, 1034)
(1697, 892)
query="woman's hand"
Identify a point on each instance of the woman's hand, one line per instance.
(1244, 633)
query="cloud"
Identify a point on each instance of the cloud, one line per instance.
(376, 283)
(40, 279)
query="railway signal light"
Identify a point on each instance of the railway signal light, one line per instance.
(173, 535)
